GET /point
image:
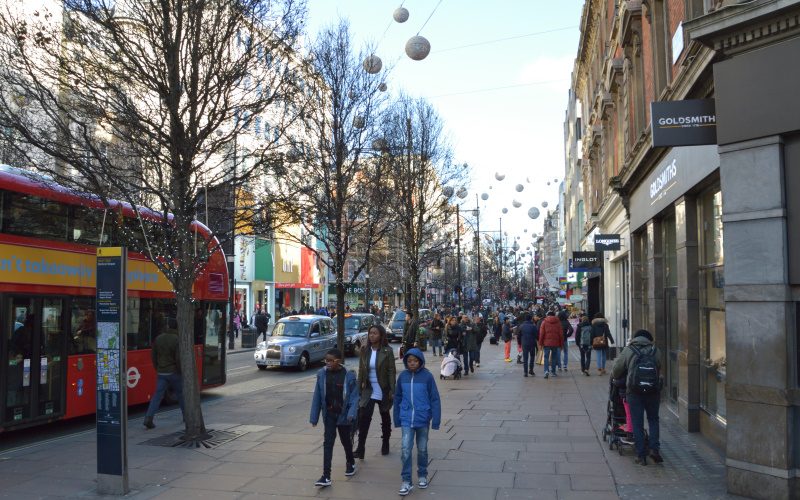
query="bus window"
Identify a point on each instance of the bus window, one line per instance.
(28, 215)
(87, 223)
(82, 326)
(138, 316)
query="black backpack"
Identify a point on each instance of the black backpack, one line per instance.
(643, 376)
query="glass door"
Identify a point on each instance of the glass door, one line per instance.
(35, 345)
(213, 343)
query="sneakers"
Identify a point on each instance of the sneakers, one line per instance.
(405, 488)
(508, 360)
(586, 372)
(640, 460)
(532, 374)
(526, 375)
(350, 470)
(565, 369)
(148, 422)
(546, 374)
(656, 456)
(559, 368)
(423, 482)
(554, 374)
(323, 481)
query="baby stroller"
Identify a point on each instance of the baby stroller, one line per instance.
(619, 430)
(451, 366)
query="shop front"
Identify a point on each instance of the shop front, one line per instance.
(287, 279)
(677, 282)
(243, 271)
(264, 275)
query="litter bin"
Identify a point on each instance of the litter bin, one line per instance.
(249, 338)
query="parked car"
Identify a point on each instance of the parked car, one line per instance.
(398, 321)
(297, 341)
(356, 326)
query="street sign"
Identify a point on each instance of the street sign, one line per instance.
(112, 375)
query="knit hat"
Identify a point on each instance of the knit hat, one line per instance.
(645, 334)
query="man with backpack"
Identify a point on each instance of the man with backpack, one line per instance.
(639, 364)
(584, 341)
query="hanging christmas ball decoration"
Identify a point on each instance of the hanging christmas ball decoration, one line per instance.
(462, 193)
(418, 48)
(533, 213)
(516, 204)
(447, 191)
(544, 204)
(400, 14)
(528, 180)
(373, 64)
(380, 144)
(519, 188)
(382, 87)
(526, 230)
(358, 121)
(505, 210)
(555, 180)
(485, 196)
(490, 187)
(548, 183)
(499, 176)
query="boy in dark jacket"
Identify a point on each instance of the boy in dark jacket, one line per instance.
(566, 327)
(416, 408)
(529, 336)
(336, 396)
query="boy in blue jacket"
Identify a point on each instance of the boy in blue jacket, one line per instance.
(336, 396)
(416, 408)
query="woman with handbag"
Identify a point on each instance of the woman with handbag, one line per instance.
(601, 336)
(376, 380)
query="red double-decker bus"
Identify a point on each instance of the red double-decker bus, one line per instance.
(48, 240)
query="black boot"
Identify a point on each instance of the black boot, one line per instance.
(148, 422)
(386, 428)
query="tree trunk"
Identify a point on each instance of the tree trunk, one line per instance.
(193, 413)
(340, 313)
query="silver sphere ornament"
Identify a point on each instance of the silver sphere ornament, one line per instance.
(358, 121)
(499, 176)
(382, 87)
(380, 144)
(528, 180)
(505, 210)
(462, 193)
(533, 213)
(525, 231)
(516, 204)
(373, 64)
(400, 15)
(544, 204)
(555, 180)
(485, 196)
(447, 191)
(418, 48)
(519, 188)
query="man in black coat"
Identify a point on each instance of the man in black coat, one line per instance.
(262, 323)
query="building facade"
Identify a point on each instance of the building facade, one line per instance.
(704, 250)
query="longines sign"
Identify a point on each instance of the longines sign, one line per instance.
(691, 122)
(677, 173)
(603, 242)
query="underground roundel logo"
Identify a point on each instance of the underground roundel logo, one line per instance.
(133, 377)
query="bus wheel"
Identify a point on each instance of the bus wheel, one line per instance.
(302, 365)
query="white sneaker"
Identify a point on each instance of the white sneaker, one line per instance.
(546, 374)
(405, 488)
(423, 482)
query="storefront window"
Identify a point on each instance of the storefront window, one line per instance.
(712, 303)
(671, 304)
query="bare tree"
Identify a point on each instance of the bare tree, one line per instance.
(145, 101)
(333, 182)
(422, 171)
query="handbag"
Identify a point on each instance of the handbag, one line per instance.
(599, 342)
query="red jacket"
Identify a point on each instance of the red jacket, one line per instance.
(550, 333)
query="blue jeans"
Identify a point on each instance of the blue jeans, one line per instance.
(566, 353)
(528, 358)
(172, 381)
(436, 343)
(601, 358)
(467, 363)
(329, 438)
(550, 359)
(640, 404)
(422, 452)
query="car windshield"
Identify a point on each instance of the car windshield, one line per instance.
(352, 323)
(290, 329)
(399, 316)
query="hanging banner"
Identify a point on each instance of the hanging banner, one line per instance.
(603, 242)
(586, 262)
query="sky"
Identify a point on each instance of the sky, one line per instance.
(498, 74)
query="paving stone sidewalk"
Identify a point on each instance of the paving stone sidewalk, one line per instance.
(503, 436)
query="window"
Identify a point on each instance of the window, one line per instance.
(28, 215)
(82, 326)
(91, 227)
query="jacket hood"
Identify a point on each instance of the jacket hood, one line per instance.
(641, 341)
(598, 321)
(416, 353)
(552, 320)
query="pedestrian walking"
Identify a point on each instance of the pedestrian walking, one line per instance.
(261, 322)
(469, 344)
(529, 335)
(376, 381)
(480, 336)
(551, 337)
(566, 327)
(410, 332)
(167, 363)
(506, 336)
(584, 341)
(640, 364)
(417, 409)
(453, 332)
(336, 397)
(237, 323)
(601, 336)
(437, 330)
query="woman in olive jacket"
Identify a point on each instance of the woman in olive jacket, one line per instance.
(376, 380)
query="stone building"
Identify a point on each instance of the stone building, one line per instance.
(712, 302)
